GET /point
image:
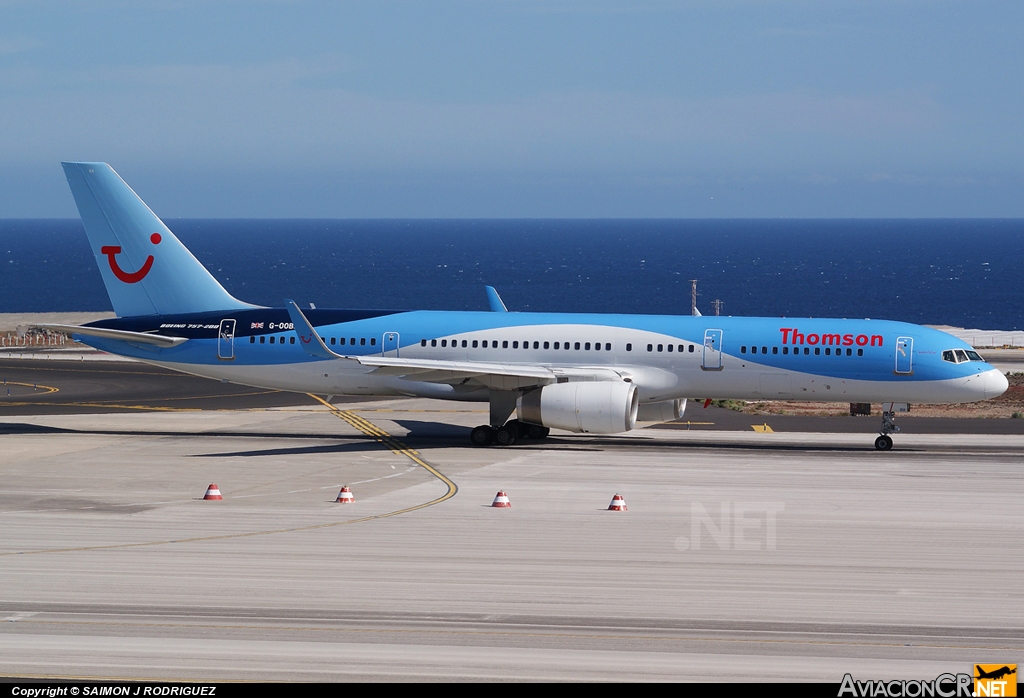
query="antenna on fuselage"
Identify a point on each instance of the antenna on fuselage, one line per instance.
(693, 298)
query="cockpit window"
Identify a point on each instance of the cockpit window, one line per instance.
(959, 356)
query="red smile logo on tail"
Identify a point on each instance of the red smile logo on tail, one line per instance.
(133, 277)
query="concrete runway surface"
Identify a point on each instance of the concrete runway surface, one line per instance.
(743, 556)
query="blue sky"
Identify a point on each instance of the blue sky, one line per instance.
(519, 109)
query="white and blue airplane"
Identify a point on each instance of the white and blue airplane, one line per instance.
(584, 373)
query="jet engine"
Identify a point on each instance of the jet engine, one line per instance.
(659, 412)
(603, 407)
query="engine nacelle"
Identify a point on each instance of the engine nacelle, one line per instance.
(658, 412)
(603, 407)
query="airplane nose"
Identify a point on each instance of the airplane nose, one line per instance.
(995, 383)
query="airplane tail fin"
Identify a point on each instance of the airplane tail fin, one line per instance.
(146, 269)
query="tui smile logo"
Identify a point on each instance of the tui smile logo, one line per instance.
(132, 277)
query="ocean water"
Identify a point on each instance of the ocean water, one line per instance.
(957, 272)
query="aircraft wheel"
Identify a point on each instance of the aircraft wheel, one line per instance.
(537, 432)
(883, 442)
(506, 435)
(481, 436)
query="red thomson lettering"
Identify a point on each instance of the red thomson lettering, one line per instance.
(797, 337)
(862, 340)
(830, 339)
(812, 339)
(847, 340)
(874, 337)
(785, 333)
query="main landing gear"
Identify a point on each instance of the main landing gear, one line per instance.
(508, 434)
(884, 442)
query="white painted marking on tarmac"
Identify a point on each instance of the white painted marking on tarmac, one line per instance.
(19, 616)
(327, 487)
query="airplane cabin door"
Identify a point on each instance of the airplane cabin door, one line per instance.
(389, 344)
(226, 340)
(712, 360)
(904, 355)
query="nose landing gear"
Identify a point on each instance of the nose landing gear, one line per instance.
(884, 442)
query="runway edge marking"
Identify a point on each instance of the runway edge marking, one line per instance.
(352, 419)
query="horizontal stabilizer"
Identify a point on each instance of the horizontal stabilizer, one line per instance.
(157, 340)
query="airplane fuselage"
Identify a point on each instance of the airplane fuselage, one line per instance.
(666, 357)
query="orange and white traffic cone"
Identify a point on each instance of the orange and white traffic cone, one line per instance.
(618, 504)
(345, 496)
(501, 501)
(213, 492)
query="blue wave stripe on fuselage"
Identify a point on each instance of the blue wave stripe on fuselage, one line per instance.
(877, 363)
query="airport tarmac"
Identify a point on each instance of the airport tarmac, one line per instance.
(743, 555)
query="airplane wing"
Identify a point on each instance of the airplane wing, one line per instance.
(497, 376)
(158, 340)
(494, 300)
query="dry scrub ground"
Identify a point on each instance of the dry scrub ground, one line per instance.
(1004, 406)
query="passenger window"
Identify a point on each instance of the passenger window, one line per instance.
(536, 345)
(362, 341)
(764, 350)
(352, 341)
(806, 351)
(670, 347)
(860, 352)
(650, 347)
(607, 346)
(341, 341)
(547, 345)
(444, 343)
(586, 346)
(504, 344)
(252, 339)
(263, 339)
(691, 348)
(272, 339)
(577, 346)
(433, 342)
(333, 339)
(743, 349)
(464, 344)
(775, 350)
(291, 340)
(817, 351)
(515, 345)
(475, 342)
(556, 345)
(828, 352)
(681, 346)
(785, 350)
(660, 347)
(629, 347)
(849, 352)
(423, 342)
